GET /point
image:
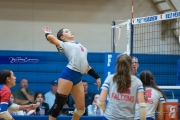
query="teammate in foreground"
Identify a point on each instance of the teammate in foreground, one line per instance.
(123, 91)
(155, 97)
(8, 80)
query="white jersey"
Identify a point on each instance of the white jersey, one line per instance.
(154, 98)
(77, 56)
(121, 106)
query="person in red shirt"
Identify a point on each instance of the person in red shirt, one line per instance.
(8, 80)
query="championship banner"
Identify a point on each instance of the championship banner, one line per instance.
(110, 63)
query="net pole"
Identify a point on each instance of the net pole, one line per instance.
(131, 39)
(113, 37)
(132, 29)
(133, 11)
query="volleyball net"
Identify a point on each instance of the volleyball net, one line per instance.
(156, 44)
(155, 41)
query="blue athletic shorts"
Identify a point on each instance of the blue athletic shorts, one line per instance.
(148, 118)
(71, 75)
(104, 118)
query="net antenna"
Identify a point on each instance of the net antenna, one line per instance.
(115, 41)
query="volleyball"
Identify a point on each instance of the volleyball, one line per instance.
(30, 112)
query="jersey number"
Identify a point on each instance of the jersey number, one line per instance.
(82, 49)
(148, 93)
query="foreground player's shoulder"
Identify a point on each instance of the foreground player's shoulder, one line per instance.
(156, 92)
(135, 79)
(61, 43)
(6, 92)
(110, 77)
(108, 81)
(5, 88)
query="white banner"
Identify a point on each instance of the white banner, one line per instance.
(154, 18)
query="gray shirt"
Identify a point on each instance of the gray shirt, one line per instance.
(154, 98)
(77, 56)
(121, 106)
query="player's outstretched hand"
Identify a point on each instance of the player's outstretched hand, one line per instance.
(32, 106)
(98, 83)
(46, 29)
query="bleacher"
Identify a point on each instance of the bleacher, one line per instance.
(48, 68)
(164, 69)
(39, 75)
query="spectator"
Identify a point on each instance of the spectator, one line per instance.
(94, 110)
(88, 96)
(50, 96)
(135, 66)
(23, 96)
(43, 107)
(155, 97)
(21, 112)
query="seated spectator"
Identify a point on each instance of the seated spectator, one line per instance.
(43, 107)
(23, 96)
(21, 112)
(88, 96)
(94, 110)
(50, 96)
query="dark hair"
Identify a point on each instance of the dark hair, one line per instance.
(59, 34)
(148, 81)
(123, 76)
(3, 75)
(37, 93)
(94, 95)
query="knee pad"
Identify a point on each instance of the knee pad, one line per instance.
(58, 104)
(79, 112)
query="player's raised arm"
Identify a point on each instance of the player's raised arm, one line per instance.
(51, 38)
